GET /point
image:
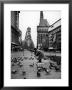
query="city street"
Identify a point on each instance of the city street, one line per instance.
(26, 67)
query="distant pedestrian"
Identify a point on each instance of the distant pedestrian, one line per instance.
(38, 74)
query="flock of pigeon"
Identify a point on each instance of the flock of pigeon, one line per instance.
(40, 68)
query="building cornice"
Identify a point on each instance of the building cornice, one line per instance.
(54, 30)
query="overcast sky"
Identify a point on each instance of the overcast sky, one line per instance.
(31, 19)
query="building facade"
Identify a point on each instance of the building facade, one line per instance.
(42, 33)
(15, 31)
(55, 35)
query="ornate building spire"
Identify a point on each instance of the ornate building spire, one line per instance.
(28, 33)
(43, 22)
(28, 42)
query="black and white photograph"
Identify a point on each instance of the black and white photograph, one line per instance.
(36, 44)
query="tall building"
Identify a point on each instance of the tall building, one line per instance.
(15, 31)
(42, 33)
(28, 42)
(55, 35)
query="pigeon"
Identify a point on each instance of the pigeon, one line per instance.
(14, 71)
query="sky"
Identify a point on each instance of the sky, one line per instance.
(32, 18)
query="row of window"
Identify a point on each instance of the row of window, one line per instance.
(43, 29)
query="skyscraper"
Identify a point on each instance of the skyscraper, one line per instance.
(42, 33)
(15, 31)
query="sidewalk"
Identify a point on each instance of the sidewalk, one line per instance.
(51, 53)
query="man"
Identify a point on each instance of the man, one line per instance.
(39, 54)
